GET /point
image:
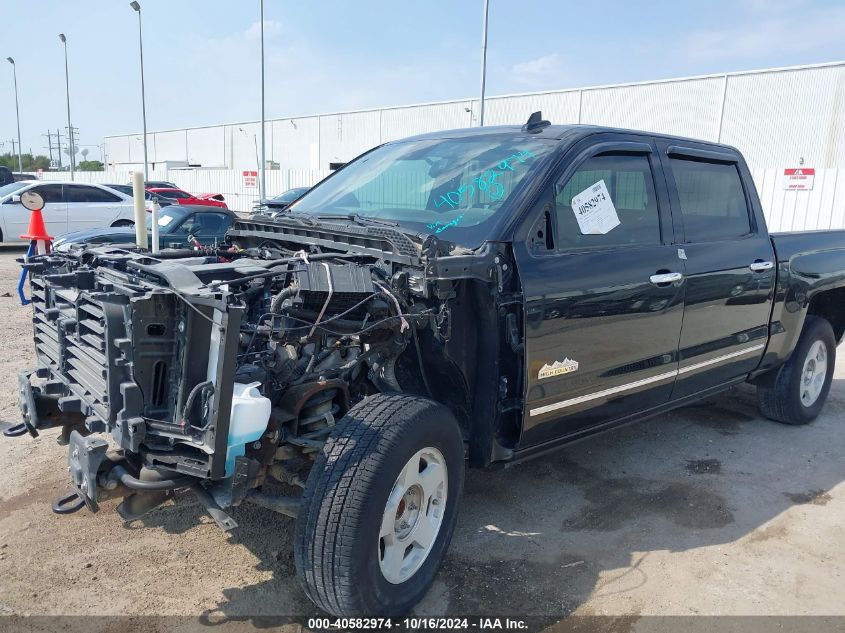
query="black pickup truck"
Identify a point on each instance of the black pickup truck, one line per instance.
(470, 297)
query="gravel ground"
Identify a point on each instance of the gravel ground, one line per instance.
(707, 510)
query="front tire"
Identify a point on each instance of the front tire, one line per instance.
(801, 387)
(380, 506)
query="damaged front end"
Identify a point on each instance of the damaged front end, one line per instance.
(215, 370)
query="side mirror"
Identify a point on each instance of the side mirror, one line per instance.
(32, 200)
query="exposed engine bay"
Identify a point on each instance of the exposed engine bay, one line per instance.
(213, 369)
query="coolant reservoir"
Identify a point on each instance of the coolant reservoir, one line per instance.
(250, 415)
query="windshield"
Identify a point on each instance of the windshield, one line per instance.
(455, 188)
(12, 187)
(289, 195)
(168, 220)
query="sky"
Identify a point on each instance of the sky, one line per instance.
(201, 58)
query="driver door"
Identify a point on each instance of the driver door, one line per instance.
(603, 309)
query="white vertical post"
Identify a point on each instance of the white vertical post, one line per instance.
(156, 247)
(140, 209)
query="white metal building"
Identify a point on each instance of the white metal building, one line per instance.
(779, 118)
(776, 117)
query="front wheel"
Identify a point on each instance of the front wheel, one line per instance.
(802, 385)
(380, 506)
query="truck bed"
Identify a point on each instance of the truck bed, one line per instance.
(792, 244)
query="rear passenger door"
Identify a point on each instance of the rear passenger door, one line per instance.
(729, 265)
(603, 308)
(90, 207)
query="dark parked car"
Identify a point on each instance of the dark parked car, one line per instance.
(278, 204)
(462, 298)
(7, 176)
(208, 226)
(127, 190)
(159, 184)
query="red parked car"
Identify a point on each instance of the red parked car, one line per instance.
(183, 197)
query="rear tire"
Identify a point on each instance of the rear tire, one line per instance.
(381, 500)
(800, 390)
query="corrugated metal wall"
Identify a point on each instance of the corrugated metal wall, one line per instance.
(823, 207)
(775, 117)
(778, 118)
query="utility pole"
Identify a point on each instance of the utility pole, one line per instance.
(67, 90)
(59, 147)
(483, 64)
(137, 8)
(49, 146)
(17, 113)
(262, 192)
(72, 136)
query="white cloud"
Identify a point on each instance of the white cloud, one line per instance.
(770, 7)
(539, 71)
(802, 32)
(541, 66)
(271, 29)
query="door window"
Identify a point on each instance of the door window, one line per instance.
(84, 193)
(50, 193)
(205, 224)
(174, 195)
(712, 200)
(614, 204)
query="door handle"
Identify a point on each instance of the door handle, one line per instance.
(760, 267)
(665, 278)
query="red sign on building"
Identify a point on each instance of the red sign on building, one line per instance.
(250, 179)
(799, 178)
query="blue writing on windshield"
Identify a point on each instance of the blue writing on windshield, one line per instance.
(487, 182)
(437, 227)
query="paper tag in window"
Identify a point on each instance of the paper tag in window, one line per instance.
(594, 210)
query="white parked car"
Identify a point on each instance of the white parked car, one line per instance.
(68, 206)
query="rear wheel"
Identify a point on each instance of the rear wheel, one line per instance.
(800, 390)
(380, 506)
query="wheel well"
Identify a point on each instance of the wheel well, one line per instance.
(828, 305)
(444, 377)
(120, 223)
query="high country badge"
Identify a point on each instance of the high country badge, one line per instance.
(558, 368)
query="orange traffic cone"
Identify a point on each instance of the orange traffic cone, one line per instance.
(39, 244)
(37, 232)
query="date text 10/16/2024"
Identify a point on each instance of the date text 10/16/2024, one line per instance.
(418, 623)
